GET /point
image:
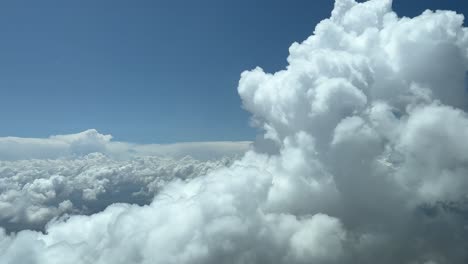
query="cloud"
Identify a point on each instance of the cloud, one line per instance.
(209, 219)
(369, 127)
(32, 192)
(46, 178)
(198, 150)
(91, 141)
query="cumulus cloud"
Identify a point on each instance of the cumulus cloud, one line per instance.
(32, 192)
(369, 127)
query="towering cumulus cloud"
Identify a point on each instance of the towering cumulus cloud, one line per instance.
(370, 126)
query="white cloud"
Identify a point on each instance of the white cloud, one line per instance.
(32, 192)
(91, 141)
(370, 126)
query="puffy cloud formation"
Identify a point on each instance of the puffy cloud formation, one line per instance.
(32, 192)
(91, 141)
(369, 125)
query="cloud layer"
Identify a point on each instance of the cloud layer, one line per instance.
(370, 126)
(91, 141)
(32, 192)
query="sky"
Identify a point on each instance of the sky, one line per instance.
(364, 158)
(147, 71)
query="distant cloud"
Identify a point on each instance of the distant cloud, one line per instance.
(369, 163)
(45, 178)
(199, 150)
(90, 141)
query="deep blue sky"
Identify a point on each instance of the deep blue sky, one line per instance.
(147, 71)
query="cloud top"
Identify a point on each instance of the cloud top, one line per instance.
(33, 192)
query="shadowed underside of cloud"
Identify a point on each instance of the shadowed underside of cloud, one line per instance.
(370, 126)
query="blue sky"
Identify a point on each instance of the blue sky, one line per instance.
(147, 71)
